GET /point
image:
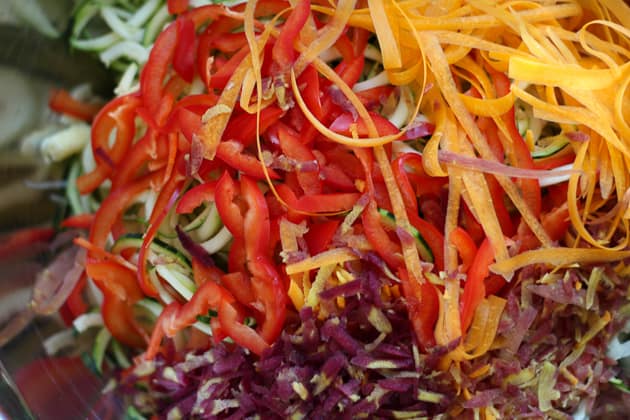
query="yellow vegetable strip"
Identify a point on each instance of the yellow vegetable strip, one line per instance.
(333, 256)
(386, 38)
(328, 37)
(561, 74)
(488, 107)
(424, 23)
(447, 86)
(319, 284)
(557, 257)
(485, 324)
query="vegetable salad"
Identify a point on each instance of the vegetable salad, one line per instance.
(355, 208)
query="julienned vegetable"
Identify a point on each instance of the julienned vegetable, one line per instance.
(385, 248)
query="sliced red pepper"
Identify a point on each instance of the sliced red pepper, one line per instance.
(311, 91)
(219, 79)
(374, 97)
(423, 308)
(225, 194)
(351, 71)
(320, 235)
(119, 114)
(293, 148)
(498, 201)
(75, 303)
(78, 221)
(120, 292)
(494, 283)
(266, 283)
(327, 203)
(114, 204)
(240, 333)
(62, 102)
(555, 160)
(231, 152)
(465, 246)
(344, 124)
(157, 66)
(242, 127)
(240, 286)
(196, 196)
(177, 7)
(555, 222)
(283, 51)
(185, 51)
(345, 47)
(521, 157)
(378, 237)
(474, 288)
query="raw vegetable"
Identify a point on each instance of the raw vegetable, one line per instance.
(395, 238)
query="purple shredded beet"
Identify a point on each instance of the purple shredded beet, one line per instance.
(328, 367)
(343, 290)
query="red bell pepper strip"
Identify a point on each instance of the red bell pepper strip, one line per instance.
(219, 79)
(320, 235)
(555, 222)
(290, 199)
(78, 221)
(266, 282)
(351, 71)
(242, 127)
(231, 152)
(283, 52)
(210, 295)
(423, 308)
(345, 48)
(203, 272)
(157, 66)
(196, 196)
(494, 283)
(75, 303)
(120, 292)
(555, 160)
(20, 240)
(378, 237)
(185, 51)
(230, 42)
(177, 7)
(522, 157)
(474, 288)
(465, 246)
(237, 257)
(240, 286)
(374, 97)
(240, 333)
(498, 201)
(311, 91)
(327, 203)
(293, 148)
(344, 124)
(118, 114)
(225, 194)
(115, 203)
(62, 102)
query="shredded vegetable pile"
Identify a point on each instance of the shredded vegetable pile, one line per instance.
(373, 208)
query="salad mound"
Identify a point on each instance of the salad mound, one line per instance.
(355, 208)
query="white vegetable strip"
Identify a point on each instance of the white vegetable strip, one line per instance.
(130, 49)
(66, 142)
